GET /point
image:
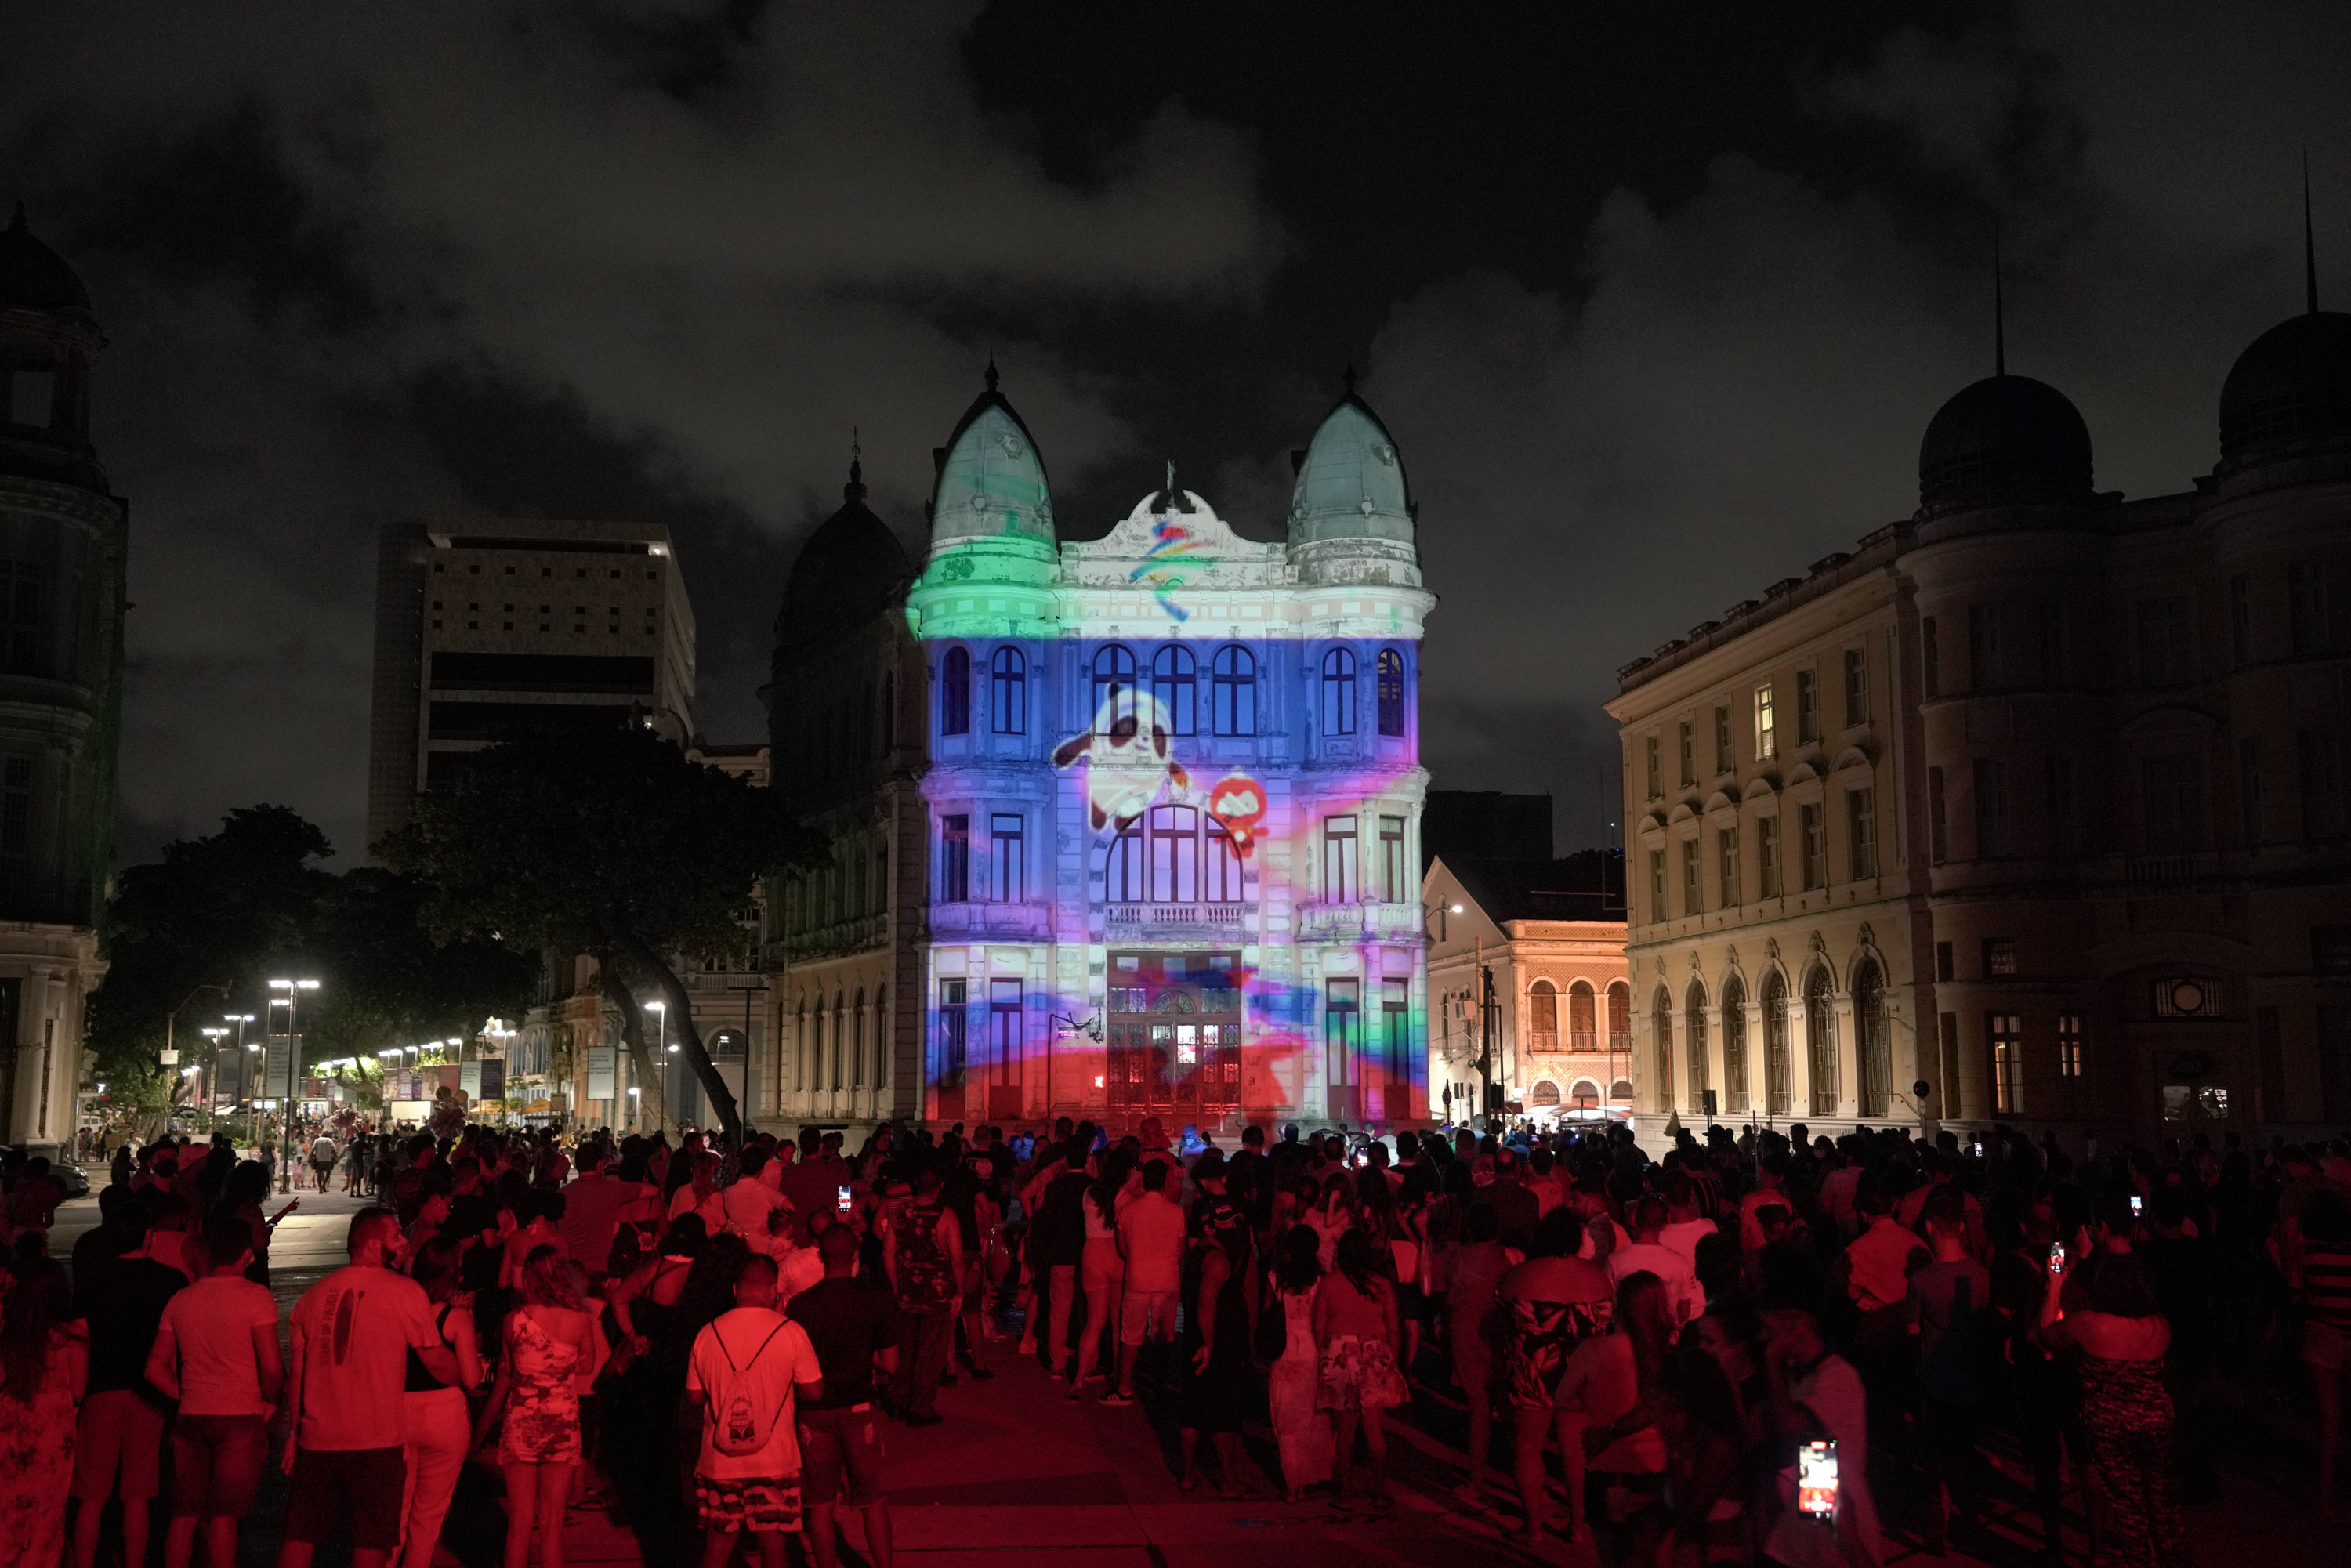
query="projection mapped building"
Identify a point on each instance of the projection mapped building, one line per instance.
(1137, 817)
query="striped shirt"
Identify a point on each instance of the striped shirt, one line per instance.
(2326, 1278)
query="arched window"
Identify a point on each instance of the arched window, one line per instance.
(1174, 854)
(1172, 682)
(1620, 1017)
(857, 1043)
(1114, 690)
(1122, 868)
(1338, 692)
(1236, 691)
(1544, 1092)
(840, 1020)
(881, 1034)
(1008, 704)
(1873, 1050)
(1542, 1017)
(1391, 673)
(1222, 865)
(1734, 1045)
(800, 1043)
(1621, 1092)
(1584, 1092)
(1583, 1031)
(1694, 1042)
(1820, 1038)
(1779, 1091)
(955, 692)
(1661, 1029)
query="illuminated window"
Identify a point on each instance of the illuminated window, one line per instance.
(2000, 955)
(1114, 691)
(1223, 867)
(1542, 1017)
(1341, 1040)
(1004, 1033)
(954, 693)
(1582, 1022)
(1009, 693)
(1620, 1017)
(1391, 691)
(1123, 872)
(1236, 692)
(1174, 854)
(955, 858)
(1338, 692)
(2007, 1032)
(1767, 740)
(1339, 883)
(1174, 682)
(2069, 1045)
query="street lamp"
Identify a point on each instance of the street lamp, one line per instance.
(293, 989)
(664, 1050)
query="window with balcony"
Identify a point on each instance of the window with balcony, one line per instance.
(955, 1032)
(1339, 880)
(1620, 1017)
(1122, 867)
(1173, 681)
(1726, 856)
(1222, 865)
(1234, 676)
(1767, 740)
(1338, 692)
(955, 692)
(1693, 901)
(955, 859)
(1395, 882)
(1174, 854)
(1007, 854)
(1582, 1024)
(2006, 1035)
(1008, 684)
(1542, 1017)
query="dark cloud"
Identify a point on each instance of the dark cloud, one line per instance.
(1657, 302)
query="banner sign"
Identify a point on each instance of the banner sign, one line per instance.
(600, 1072)
(494, 1079)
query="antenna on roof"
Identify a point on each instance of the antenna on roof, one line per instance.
(1998, 315)
(991, 372)
(2309, 243)
(1350, 373)
(856, 489)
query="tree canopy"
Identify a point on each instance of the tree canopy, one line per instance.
(248, 903)
(608, 841)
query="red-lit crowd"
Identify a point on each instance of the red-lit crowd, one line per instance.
(707, 1341)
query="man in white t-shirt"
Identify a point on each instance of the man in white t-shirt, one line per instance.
(746, 1368)
(352, 1334)
(751, 1199)
(216, 1353)
(1685, 1226)
(1649, 1254)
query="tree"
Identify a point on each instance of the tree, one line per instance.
(246, 905)
(608, 842)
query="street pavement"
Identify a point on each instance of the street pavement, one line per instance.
(1017, 1474)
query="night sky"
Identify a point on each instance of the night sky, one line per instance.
(1656, 300)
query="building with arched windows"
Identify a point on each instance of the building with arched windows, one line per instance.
(63, 534)
(1141, 812)
(2031, 808)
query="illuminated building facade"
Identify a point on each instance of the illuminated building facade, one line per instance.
(2035, 799)
(1136, 819)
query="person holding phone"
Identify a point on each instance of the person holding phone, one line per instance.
(2118, 1340)
(1816, 1394)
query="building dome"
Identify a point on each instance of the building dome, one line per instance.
(991, 477)
(2289, 393)
(32, 276)
(1351, 482)
(848, 569)
(2005, 440)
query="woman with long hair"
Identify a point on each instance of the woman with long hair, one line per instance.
(1355, 1328)
(1101, 1272)
(1614, 1390)
(552, 1345)
(1556, 1301)
(2119, 1344)
(1301, 1431)
(44, 1366)
(1397, 1237)
(434, 1414)
(1219, 1298)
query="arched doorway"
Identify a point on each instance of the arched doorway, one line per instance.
(1734, 1044)
(1820, 1036)
(1778, 1069)
(1694, 1030)
(1875, 1050)
(1661, 1029)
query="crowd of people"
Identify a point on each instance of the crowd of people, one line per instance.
(1754, 1347)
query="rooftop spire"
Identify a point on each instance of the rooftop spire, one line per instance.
(991, 372)
(1350, 373)
(2309, 243)
(855, 491)
(1998, 315)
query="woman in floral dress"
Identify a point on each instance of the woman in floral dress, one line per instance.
(43, 1367)
(553, 1348)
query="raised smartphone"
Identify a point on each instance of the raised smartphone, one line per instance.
(1816, 1478)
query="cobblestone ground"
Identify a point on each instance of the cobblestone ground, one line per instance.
(1017, 1474)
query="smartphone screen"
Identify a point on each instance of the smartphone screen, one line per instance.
(840, 1197)
(2056, 1257)
(2139, 1206)
(1816, 1478)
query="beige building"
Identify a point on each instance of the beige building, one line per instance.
(2030, 808)
(1562, 998)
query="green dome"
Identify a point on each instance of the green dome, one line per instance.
(991, 478)
(1351, 482)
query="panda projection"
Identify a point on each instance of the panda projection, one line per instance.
(1127, 757)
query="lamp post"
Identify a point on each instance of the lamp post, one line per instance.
(662, 1049)
(171, 1051)
(293, 989)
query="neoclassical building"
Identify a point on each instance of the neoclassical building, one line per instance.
(2029, 808)
(63, 534)
(1123, 827)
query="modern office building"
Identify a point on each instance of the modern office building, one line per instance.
(1125, 827)
(486, 623)
(63, 537)
(2033, 801)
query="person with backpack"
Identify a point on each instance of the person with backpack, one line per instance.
(747, 1367)
(922, 1255)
